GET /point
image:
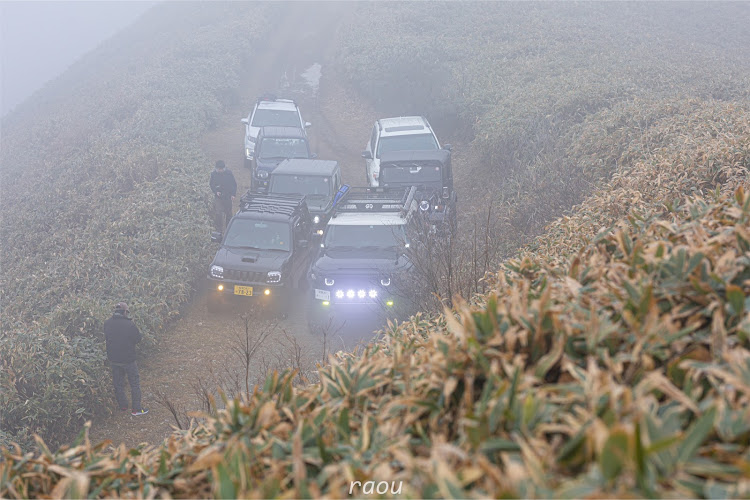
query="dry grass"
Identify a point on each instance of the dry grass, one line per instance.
(608, 363)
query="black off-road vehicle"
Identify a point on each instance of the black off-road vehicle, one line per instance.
(274, 145)
(362, 263)
(317, 180)
(431, 172)
(265, 253)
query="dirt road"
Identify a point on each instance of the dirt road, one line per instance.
(205, 348)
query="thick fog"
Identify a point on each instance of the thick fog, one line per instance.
(39, 40)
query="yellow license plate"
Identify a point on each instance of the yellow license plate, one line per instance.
(243, 290)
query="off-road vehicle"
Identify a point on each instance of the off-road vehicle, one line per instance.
(431, 172)
(276, 144)
(317, 180)
(362, 259)
(266, 251)
(405, 133)
(269, 111)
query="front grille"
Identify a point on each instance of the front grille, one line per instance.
(245, 276)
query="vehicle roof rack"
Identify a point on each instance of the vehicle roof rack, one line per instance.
(368, 199)
(282, 204)
(273, 98)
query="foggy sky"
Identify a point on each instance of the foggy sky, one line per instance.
(39, 40)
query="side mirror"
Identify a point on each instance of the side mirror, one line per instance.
(314, 155)
(308, 124)
(246, 121)
(303, 243)
(448, 147)
(366, 155)
(216, 236)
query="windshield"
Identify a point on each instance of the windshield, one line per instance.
(301, 184)
(283, 148)
(260, 235)
(414, 142)
(410, 174)
(275, 118)
(372, 236)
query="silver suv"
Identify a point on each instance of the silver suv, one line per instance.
(405, 133)
(269, 112)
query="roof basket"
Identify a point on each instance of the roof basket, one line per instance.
(273, 98)
(285, 204)
(366, 199)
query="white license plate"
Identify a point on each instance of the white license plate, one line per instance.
(322, 294)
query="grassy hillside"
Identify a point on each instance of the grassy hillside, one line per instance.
(104, 199)
(552, 96)
(609, 358)
(607, 361)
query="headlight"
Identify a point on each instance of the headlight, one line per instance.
(424, 205)
(262, 174)
(248, 152)
(217, 272)
(329, 281)
(312, 276)
(273, 277)
(385, 281)
(316, 219)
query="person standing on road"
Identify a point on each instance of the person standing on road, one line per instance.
(225, 189)
(121, 336)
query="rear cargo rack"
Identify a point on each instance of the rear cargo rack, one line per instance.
(366, 199)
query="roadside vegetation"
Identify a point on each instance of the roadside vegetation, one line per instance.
(103, 189)
(552, 99)
(610, 356)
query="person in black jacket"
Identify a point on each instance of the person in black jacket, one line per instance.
(225, 189)
(122, 335)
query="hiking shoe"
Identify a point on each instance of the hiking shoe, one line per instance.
(137, 413)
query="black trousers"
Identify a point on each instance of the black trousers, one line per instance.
(119, 373)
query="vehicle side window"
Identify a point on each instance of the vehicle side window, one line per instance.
(373, 139)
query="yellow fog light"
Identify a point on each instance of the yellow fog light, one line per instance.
(389, 303)
(325, 302)
(220, 287)
(267, 291)
(320, 232)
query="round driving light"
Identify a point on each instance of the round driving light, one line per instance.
(267, 291)
(339, 294)
(373, 294)
(424, 205)
(350, 294)
(220, 287)
(361, 294)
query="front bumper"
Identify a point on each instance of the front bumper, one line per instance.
(250, 290)
(353, 295)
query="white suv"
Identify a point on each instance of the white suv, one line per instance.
(405, 133)
(270, 112)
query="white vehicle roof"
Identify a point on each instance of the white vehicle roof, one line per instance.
(404, 125)
(367, 219)
(282, 105)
